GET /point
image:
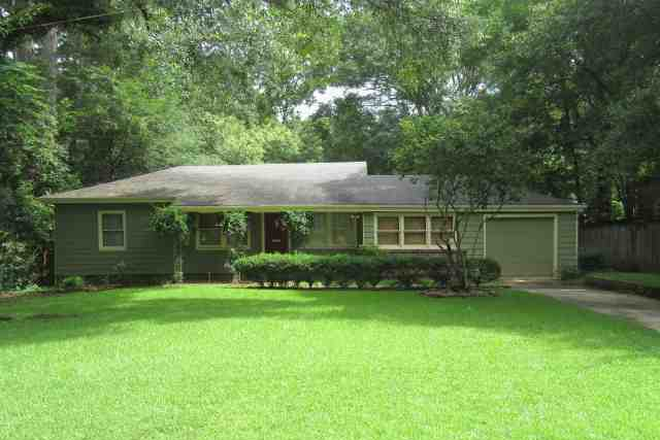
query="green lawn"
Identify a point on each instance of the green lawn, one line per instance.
(643, 279)
(206, 362)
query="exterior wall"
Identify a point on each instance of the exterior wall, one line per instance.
(77, 243)
(472, 241)
(211, 264)
(147, 253)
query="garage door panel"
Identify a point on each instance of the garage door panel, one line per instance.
(522, 246)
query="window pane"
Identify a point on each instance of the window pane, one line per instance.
(441, 223)
(388, 238)
(340, 237)
(319, 221)
(388, 223)
(341, 229)
(113, 239)
(112, 222)
(436, 237)
(209, 221)
(416, 238)
(210, 237)
(414, 223)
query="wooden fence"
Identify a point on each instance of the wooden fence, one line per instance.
(624, 246)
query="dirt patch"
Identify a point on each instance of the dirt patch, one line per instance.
(48, 316)
(445, 293)
(11, 296)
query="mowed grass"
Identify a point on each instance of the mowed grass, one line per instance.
(207, 362)
(651, 280)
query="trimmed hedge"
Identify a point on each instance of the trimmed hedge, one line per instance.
(633, 287)
(362, 270)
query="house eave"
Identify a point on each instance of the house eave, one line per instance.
(187, 207)
(103, 200)
(375, 208)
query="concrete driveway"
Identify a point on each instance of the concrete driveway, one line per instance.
(643, 310)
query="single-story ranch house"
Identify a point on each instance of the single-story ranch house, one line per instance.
(104, 225)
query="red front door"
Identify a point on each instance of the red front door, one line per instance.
(276, 238)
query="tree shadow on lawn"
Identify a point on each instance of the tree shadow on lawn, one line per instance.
(516, 313)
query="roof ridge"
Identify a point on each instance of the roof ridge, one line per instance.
(361, 162)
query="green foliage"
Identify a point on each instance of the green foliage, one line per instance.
(170, 221)
(235, 223)
(299, 224)
(72, 283)
(350, 129)
(591, 261)
(472, 164)
(345, 270)
(17, 263)
(570, 273)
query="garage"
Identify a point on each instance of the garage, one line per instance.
(524, 247)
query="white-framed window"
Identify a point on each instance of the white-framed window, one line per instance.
(341, 229)
(112, 230)
(209, 232)
(211, 236)
(318, 235)
(389, 230)
(332, 230)
(412, 230)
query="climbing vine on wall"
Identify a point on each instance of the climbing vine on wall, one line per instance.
(170, 221)
(299, 224)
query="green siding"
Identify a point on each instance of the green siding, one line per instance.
(77, 250)
(77, 243)
(202, 262)
(567, 241)
(473, 239)
(368, 233)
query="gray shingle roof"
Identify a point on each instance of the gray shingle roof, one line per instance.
(309, 184)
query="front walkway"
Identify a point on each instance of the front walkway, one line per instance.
(645, 311)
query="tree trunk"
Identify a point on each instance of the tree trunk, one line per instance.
(49, 44)
(178, 260)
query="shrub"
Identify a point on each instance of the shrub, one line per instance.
(591, 262)
(344, 270)
(570, 273)
(370, 251)
(488, 269)
(72, 283)
(18, 264)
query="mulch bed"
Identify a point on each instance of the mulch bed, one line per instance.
(38, 316)
(55, 292)
(447, 293)
(47, 316)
